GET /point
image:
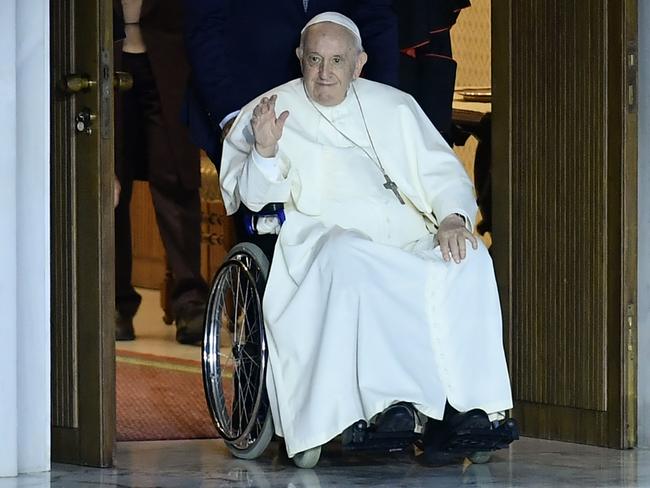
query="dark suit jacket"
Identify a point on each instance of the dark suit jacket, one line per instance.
(239, 49)
(427, 70)
(161, 23)
(418, 19)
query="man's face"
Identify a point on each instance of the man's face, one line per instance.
(330, 61)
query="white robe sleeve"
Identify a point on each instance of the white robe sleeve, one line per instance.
(263, 181)
(247, 177)
(445, 182)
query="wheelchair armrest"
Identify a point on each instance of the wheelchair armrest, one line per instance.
(269, 210)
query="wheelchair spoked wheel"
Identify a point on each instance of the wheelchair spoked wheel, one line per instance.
(235, 354)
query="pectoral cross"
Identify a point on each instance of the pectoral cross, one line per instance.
(392, 186)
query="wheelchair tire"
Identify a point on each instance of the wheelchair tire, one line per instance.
(235, 354)
(307, 459)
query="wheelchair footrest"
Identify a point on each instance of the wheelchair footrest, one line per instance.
(472, 440)
(360, 437)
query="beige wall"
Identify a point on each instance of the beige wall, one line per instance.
(471, 45)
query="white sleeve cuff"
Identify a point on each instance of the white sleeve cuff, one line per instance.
(271, 168)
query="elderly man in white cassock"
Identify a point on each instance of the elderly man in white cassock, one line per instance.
(378, 293)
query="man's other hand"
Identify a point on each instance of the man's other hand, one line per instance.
(451, 236)
(267, 129)
(131, 10)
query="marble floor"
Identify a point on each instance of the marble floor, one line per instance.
(207, 463)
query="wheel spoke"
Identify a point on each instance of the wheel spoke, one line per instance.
(236, 286)
(243, 314)
(251, 359)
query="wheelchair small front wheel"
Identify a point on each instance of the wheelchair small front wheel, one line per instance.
(307, 459)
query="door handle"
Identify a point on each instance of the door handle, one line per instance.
(122, 81)
(75, 83)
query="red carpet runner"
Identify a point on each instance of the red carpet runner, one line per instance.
(160, 398)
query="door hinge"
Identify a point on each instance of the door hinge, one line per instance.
(629, 327)
(106, 94)
(631, 63)
(630, 378)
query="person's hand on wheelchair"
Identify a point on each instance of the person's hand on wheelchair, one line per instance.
(452, 234)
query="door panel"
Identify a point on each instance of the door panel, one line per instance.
(82, 275)
(564, 244)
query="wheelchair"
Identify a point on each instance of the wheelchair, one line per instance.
(234, 362)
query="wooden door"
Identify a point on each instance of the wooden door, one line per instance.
(82, 275)
(564, 175)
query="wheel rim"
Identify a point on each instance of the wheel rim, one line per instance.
(234, 351)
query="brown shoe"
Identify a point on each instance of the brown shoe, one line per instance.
(123, 328)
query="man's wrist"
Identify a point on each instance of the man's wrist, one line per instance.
(266, 151)
(461, 219)
(454, 219)
(461, 216)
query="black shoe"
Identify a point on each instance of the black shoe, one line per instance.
(189, 325)
(399, 417)
(450, 440)
(123, 328)
(473, 433)
(459, 423)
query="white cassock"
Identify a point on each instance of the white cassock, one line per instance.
(361, 310)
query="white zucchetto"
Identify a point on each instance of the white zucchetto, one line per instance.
(335, 18)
